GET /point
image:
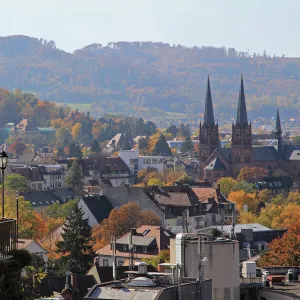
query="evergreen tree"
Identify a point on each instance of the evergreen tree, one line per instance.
(95, 147)
(172, 129)
(161, 147)
(75, 150)
(143, 144)
(150, 128)
(76, 246)
(184, 130)
(74, 176)
(187, 145)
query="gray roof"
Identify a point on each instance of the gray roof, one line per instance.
(216, 165)
(178, 229)
(26, 158)
(137, 240)
(238, 228)
(291, 152)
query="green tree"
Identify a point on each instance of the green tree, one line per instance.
(187, 145)
(172, 129)
(75, 150)
(76, 245)
(245, 186)
(62, 137)
(58, 210)
(74, 176)
(161, 147)
(95, 147)
(16, 183)
(226, 185)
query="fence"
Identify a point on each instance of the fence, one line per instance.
(8, 236)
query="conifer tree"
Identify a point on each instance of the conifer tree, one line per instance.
(76, 246)
(187, 145)
(95, 147)
(75, 150)
(161, 147)
(74, 176)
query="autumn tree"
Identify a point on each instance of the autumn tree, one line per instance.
(243, 200)
(76, 131)
(226, 185)
(283, 251)
(268, 214)
(120, 221)
(288, 216)
(76, 245)
(74, 176)
(161, 147)
(17, 147)
(252, 173)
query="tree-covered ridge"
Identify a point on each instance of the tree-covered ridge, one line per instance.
(148, 78)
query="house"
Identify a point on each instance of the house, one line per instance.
(119, 141)
(135, 162)
(29, 158)
(54, 176)
(33, 247)
(103, 169)
(35, 178)
(147, 242)
(95, 208)
(41, 199)
(202, 205)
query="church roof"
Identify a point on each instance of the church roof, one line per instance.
(241, 117)
(291, 152)
(208, 112)
(216, 165)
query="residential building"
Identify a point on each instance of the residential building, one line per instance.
(220, 262)
(217, 162)
(54, 176)
(147, 242)
(105, 170)
(135, 162)
(33, 247)
(95, 208)
(202, 206)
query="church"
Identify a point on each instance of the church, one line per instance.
(216, 162)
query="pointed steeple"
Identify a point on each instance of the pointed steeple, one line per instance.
(241, 117)
(208, 113)
(278, 123)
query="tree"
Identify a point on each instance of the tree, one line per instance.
(17, 147)
(247, 218)
(226, 185)
(268, 214)
(288, 216)
(172, 129)
(74, 176)
(161, 147)
(58, 210)
(76, 131)
(76, 245)
(120, 221)
(284, 251)
(95, 147)
(75, 150)
(162, 257)
(62, 137)
(187, 145)
(245, 186)
(16, 183)
(241, 199)
(252, 173)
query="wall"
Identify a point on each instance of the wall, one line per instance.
(118, 196)
(222, 266)
(189, 291)
(87, 213)
(35, 248)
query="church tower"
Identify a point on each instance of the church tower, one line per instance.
(241, 131)
(278, 134)
(209, 131)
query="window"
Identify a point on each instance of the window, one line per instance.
(204, 206)
(213, 219)
(59, 184)
(40, 186)
(124, 247)
(259, 247)
(105, 262)
(121, 263)
(144, 249)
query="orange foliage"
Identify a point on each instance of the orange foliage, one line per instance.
(252, 173)
(120, 221)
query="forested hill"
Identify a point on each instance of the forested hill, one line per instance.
(146, 77)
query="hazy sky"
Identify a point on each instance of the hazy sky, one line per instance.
(257, 25)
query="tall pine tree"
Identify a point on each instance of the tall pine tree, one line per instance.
(161, 147)
(76, 246)
(74, 176)
(187, 145)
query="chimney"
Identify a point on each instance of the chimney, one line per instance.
(97, 261)
(133, 231)
(74, 281)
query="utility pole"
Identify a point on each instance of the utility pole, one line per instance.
(130, 251)
(200, 265)
(233, 224)
(114, 257)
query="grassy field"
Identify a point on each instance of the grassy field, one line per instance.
(80, 106)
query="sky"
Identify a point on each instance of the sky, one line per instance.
(254, 25)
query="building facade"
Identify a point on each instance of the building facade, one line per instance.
(217, 162)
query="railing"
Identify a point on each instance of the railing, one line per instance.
(250, 279)
(8, 236)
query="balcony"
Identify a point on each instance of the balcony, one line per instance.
(8, 237)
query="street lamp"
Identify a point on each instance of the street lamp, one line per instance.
(3, 165)
(17, 204)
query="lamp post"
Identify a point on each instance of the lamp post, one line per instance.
(17, 204)
(3, 165)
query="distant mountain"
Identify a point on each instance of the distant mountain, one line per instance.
(151, 78)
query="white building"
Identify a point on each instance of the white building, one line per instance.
(54, 176)
(136, 162)
(33, 247)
